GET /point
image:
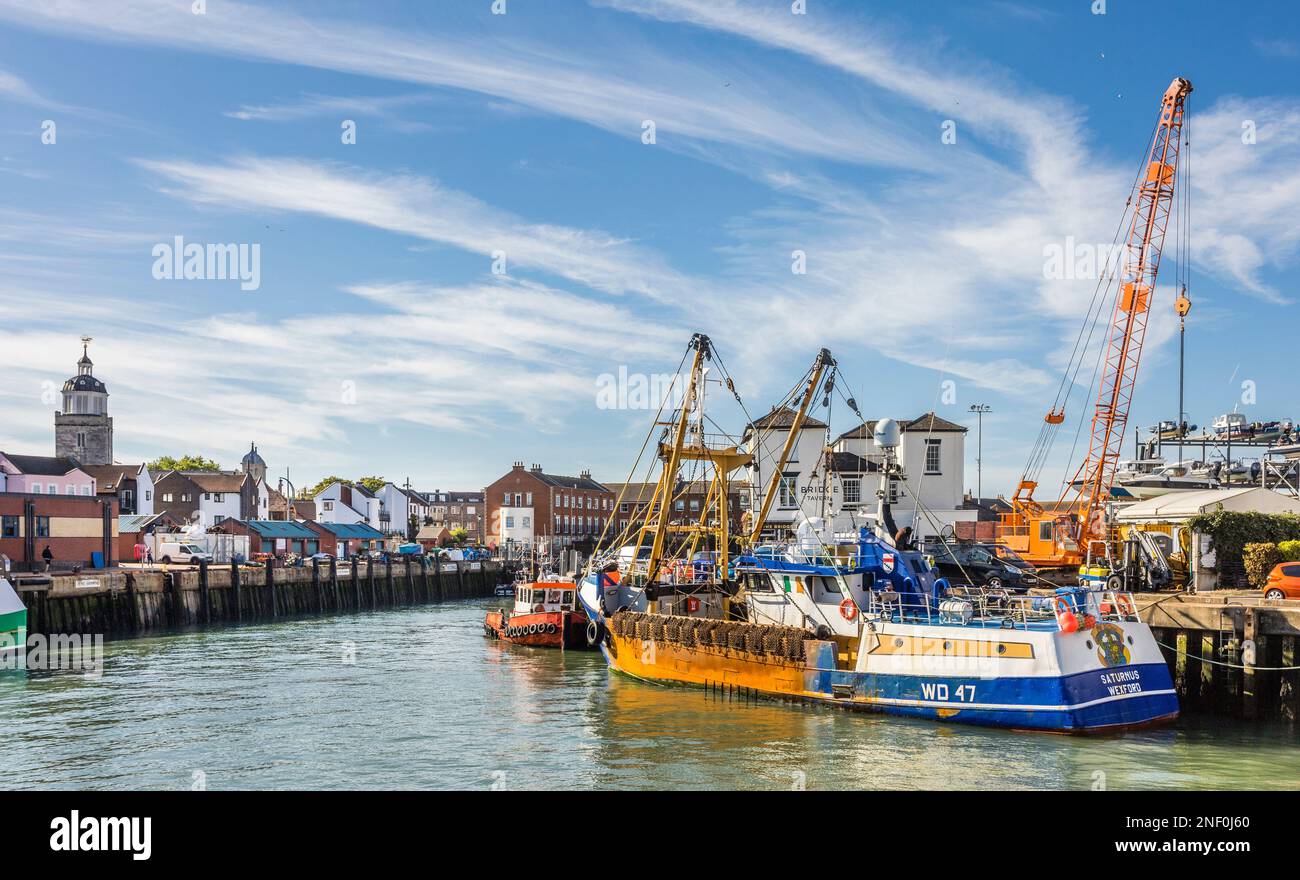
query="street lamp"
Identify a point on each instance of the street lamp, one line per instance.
(979, 409)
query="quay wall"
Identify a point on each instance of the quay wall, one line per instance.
(125, 603)
(1230, 656)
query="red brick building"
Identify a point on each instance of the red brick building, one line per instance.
(72, 526)
(527, 505)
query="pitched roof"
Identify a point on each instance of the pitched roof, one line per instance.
(278, 528)
(848, 463)
(927, 422)
(560, 482)
(632, 493)
(42, 465)
(132, 523)
(930, 422)
(784, 418)
(210, 482)
(351, 530)
(109, 476)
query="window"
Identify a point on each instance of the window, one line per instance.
(85, 490)
(470, 510)
(695, 504)
(787, 495)
(505, 498)
(42, 526)
(217, 496)
(679, 504)
(528, 522)
(528, 499)
(328, 505)
(148, 495)
(932, 456)
(81, 439)
(9, 527)
(207, 496)
(36, 488)
(510, 522)
(744, 499)
(1291, 570)
(1045, 532)
(519, 499)
(167, 497)
(54, 488)
(622, 508)
(70, 489)
(852, 490)
(218, 519)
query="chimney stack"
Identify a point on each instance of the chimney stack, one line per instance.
(519, 466)
(537, 468)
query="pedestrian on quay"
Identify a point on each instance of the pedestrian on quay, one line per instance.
(48, 555)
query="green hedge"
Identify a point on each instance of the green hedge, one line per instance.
(1259, 560)
(1290, 551)
(1230, 532)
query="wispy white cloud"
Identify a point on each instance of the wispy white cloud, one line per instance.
(309, 106)
(684, 99)
(421, 208)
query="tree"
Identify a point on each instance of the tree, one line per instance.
(372, 484)
(459, 536)
(314, 490)
(184, 463)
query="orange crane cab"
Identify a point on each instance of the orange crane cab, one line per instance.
(1073, 530)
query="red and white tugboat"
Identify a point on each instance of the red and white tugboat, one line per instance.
(546, 615)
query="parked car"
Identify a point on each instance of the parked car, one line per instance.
(193, 554)
(963, 562)
(1283, 581)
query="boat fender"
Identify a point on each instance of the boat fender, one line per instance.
(532, 629)
(595, 632)
(848, 610)
(550, 629)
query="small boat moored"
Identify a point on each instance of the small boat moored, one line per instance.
(545, 615)
(13, 628)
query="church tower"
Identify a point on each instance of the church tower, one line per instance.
(83, 430)
(253, 464)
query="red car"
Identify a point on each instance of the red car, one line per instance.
(1283, 581)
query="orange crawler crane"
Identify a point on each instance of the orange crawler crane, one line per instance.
(1058, 537)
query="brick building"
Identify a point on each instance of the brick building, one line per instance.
(633, 499)
(73, 526)
(457, 510)
(528, 505)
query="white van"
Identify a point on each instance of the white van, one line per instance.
(182, 553)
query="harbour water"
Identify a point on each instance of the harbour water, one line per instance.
(418, 698)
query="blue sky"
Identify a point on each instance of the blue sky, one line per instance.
(380, 340)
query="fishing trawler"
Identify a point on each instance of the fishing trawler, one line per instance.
(13, 628)
(545, 615)
(858, 620)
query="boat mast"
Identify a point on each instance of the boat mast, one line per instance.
(820, 366)
(667, 482)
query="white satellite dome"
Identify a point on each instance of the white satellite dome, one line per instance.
(886, 433)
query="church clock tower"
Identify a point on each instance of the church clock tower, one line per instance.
(83, 430)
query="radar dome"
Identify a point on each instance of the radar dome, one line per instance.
(886, 433)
